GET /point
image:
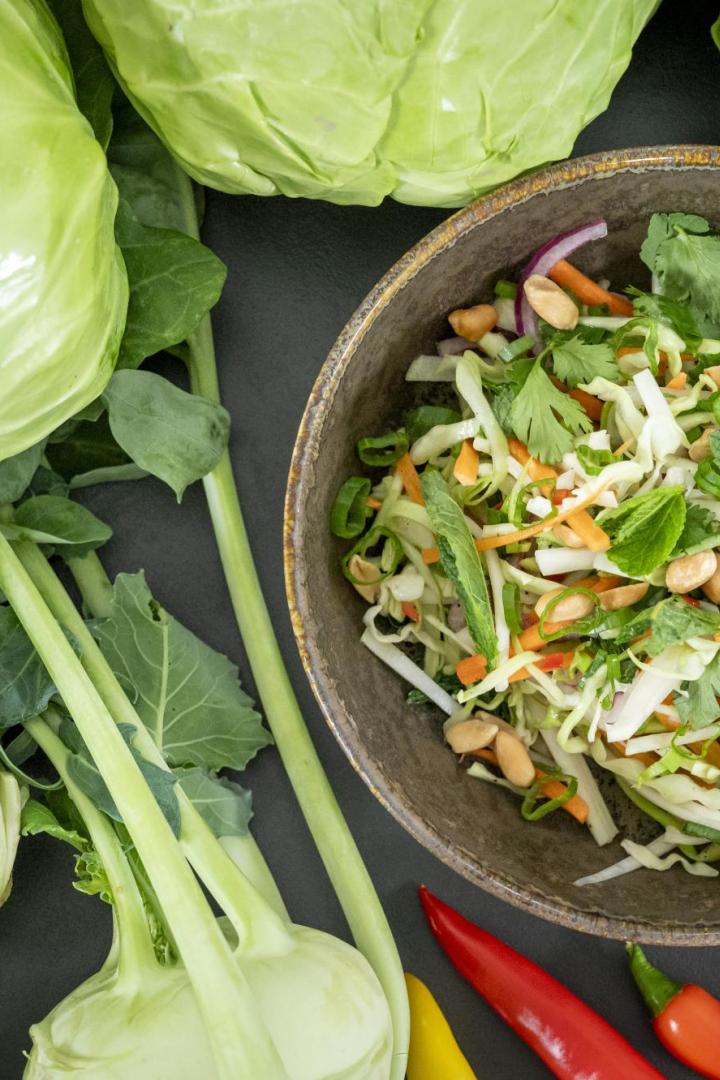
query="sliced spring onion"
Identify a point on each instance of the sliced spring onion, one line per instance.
(520, 347)
(507, 290)
(600, 821)
(511, 606)
(380, 451)
(533, 809)
(350, 510)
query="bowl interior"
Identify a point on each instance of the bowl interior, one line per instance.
(474, 827)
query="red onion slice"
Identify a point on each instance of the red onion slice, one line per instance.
(454, 346)
(544, 259)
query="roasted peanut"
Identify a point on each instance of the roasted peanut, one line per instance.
(700, 449)
(568, 537)
(469, 735)
(711, 588)
(365, 571)
(714, 373)
(474, 322)
(623, 596)
(550, 302)
(575, 606)
(514, 759)
(690, 572)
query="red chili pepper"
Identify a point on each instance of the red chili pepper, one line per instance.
(559, 494)
(573, 1041)
(685, 1017)
(692, 601)
(552, 661)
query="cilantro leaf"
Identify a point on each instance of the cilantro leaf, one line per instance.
(645, 529)
(577, 362)
(701, 705)
(674, 621)
(461, 562)
(535, 417)
(662, 227)
(707, 477)
(670, 312)
(700, 531)
(594, 461)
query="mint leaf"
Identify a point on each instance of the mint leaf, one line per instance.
(674, 621)
(700, 531)
(534, 417)
(576, 362)
(188, 695)
(461, 562)
(701, 706)
(645, 529)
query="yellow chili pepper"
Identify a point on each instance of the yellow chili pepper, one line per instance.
(434, 1053)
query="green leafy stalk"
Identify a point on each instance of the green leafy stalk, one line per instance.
(241, 1044)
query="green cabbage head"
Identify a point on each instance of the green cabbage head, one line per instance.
(430, 101)
(63, 288)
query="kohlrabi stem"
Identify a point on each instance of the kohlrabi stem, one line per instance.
(244, 904)
(241, 1044)
(332, 837)
(136, 947)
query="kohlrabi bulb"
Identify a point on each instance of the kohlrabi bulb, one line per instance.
(63, 286)
(318, 997)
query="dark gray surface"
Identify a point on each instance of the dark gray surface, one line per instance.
(297, 271)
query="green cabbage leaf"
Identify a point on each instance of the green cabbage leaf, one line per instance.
(63, 287)
(352, 100)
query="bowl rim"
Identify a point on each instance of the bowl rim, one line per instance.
(564, 174)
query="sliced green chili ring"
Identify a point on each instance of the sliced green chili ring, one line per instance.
(692, 828)
(350, 509)
(533, 809)
(506, 290)
(371, 540)
(516, 348)
(606, 413)
(511, 606)
(425, 417)
(380, 451)
(579, 626)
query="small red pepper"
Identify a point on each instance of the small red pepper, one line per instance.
(573, 1041)
(685, 1017)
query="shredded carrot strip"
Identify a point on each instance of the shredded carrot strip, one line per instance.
(471, 669)
(536, 470)
(594, 537)
(431, 555)
(529, 639)
(678, 381)
(587, 290)
(575, 805)
(373, 503)
(486, 542)
(625, 446)
(410, 479)
(593, 406)
(466, 466)
(410, 611)
(553, 789)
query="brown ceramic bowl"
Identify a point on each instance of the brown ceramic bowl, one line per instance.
(397, 749)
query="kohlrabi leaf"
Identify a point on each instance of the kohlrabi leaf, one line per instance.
(52, 519)
(350, 101)
(83, 771)
(176, 436)
(225, 805)
(187, 695)
(38, 818)
(17, 472)
(94, 83)
(63, 286)
(644, 529)
(461, 562)
(174, 281)
(85, 446)
(25, 686)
